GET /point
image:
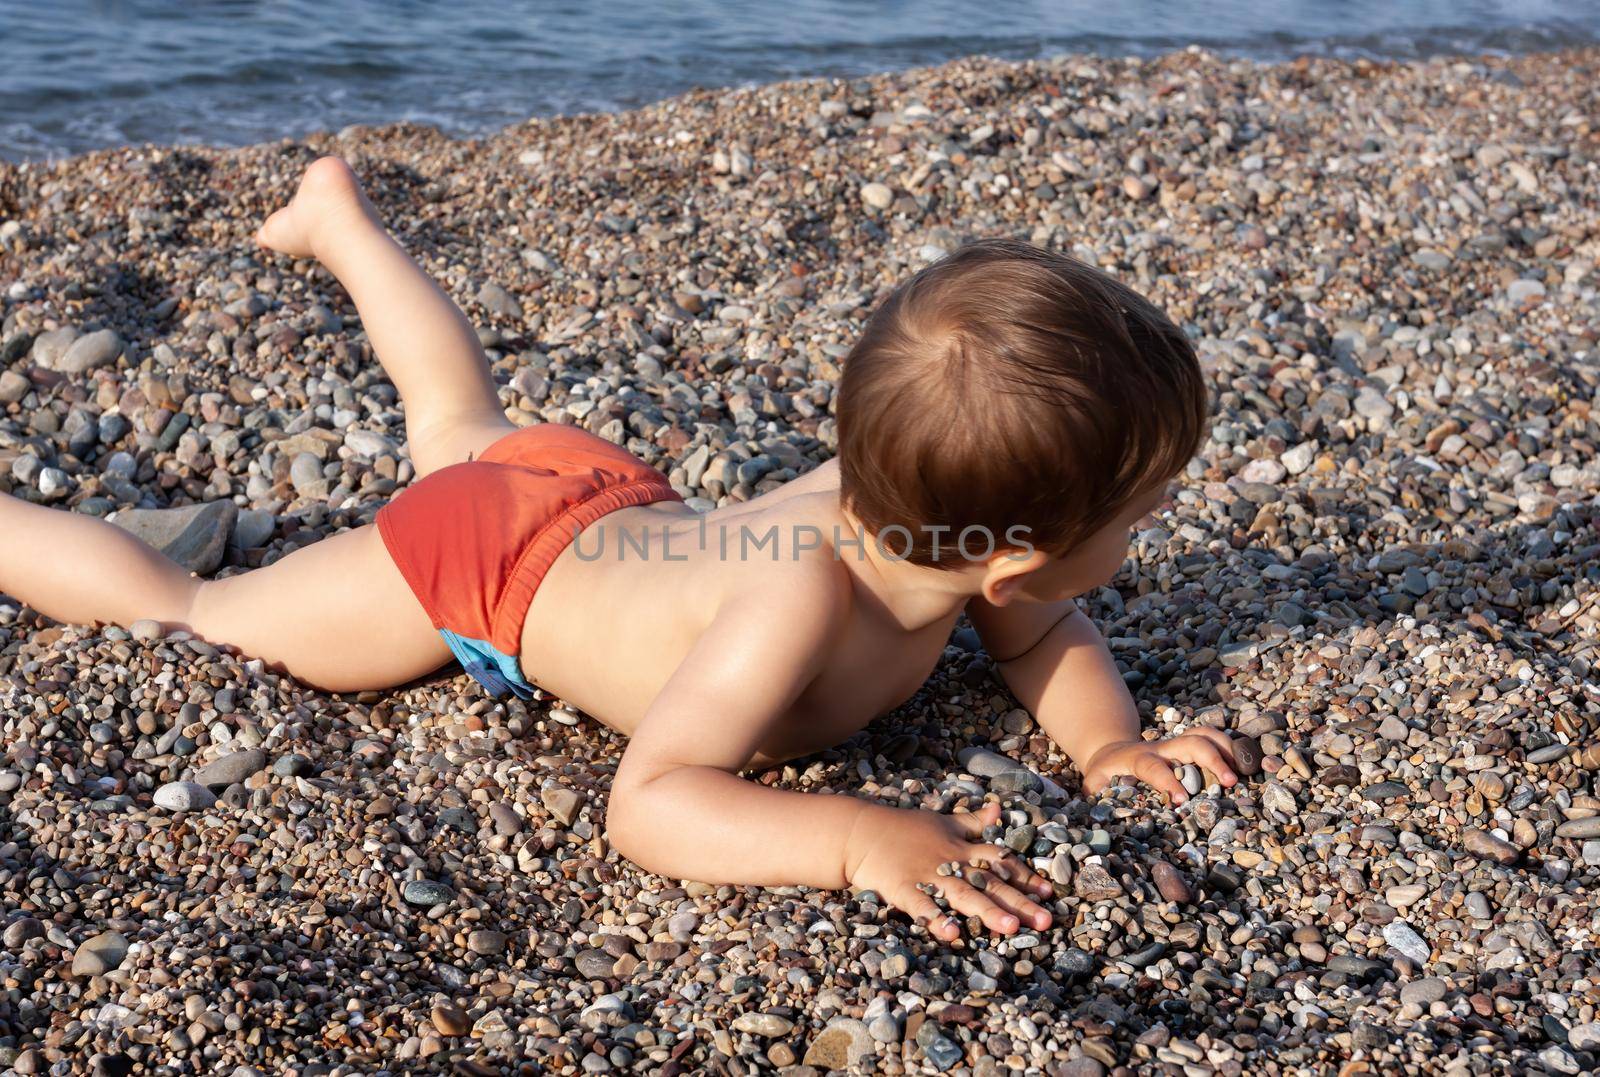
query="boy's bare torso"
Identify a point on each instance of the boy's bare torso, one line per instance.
(609, 625)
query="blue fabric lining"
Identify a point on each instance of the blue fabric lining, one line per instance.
(499, 673)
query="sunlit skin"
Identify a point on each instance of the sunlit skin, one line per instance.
(711, 665)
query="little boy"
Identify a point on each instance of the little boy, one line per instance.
(1006, 417)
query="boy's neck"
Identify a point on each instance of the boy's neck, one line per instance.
(914, 596)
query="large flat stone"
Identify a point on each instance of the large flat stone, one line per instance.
(194, 536)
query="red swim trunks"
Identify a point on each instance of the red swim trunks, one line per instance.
(474, 540)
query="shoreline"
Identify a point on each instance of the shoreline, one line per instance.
(247, 117)
(1381, 574)
(1224, 55)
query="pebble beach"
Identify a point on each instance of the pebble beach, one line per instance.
(1382, 575)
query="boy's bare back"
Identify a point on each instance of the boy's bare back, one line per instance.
(626, 603)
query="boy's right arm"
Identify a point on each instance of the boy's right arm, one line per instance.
(679, 808)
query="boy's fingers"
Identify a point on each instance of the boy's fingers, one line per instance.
(1011, 868)
(1009, 898)
(1153, 771)
(963, 896)
(1201, 751)
(973, 822)
(1217, 737)
(917, 904)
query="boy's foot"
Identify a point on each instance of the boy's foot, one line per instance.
(328, 194)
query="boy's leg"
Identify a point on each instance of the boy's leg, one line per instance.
(424, 342)
(337, 615)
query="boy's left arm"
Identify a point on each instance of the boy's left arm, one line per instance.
(1057, 664)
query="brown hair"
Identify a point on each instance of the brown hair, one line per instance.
(1006, 385)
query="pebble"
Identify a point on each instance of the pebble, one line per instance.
(768, 1025)
(1247, 756)
(843, 1043)
(427, 893)
(1424, 992)
(231, 768)
(487, 943)
(1404, 938)
(184, 796)
(100, 954)
(561, 802)
(20, 931)
(252, 529)
(1483, 844)
(1584, 1037)
(194, 536)
(449, 1019)
(1171, 883)
(1588, 827)
(877, 196)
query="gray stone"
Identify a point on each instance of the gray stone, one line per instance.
(194, 536)
(1558, 1059)
(1521, 291)
(97, 349)
(982, 763)
(368, 443)
(232, 768)
(253, 529)
(496, 300)
(426, 893)
(184, 796)
(1549, 754)
(291, 766)
(1584, 1037)
(305, 475)
(1299, 457)
(1404, 938)
(941, 1052)
(594, 964)
(100, 955)
(1279, 799)
(48, 348)
(1370, 404)
(13, 386)
(52, 481)
(1424, 992)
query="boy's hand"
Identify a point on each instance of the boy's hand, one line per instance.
(891, 850)
(1151, 761)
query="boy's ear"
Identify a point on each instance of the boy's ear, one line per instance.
(1007, 572)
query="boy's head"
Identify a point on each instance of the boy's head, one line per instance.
(1019, 391)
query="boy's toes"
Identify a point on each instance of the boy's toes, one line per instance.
(280, 232)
